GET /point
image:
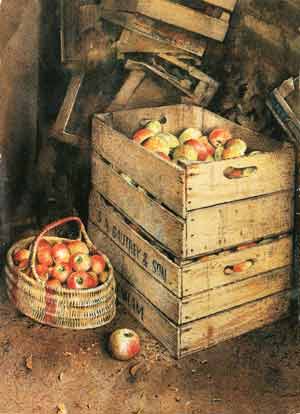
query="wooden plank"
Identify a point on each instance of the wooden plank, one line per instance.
(145, 253)
(164, 180)
(204, 275)
(165, 226)
(132, 82)
(177, 117)
(174, 14)
(230, 224)
(207, 183)
(159, 31)
(161, 297)
(153, 320)
(210, 331)
(224, 4)
(132, 42)
(229, 296)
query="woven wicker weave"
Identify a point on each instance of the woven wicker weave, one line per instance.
(59, 307)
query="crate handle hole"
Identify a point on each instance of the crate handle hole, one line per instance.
(233, 173)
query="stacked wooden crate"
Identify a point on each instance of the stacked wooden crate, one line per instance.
(201, 257)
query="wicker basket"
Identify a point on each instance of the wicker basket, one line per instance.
(59, 307)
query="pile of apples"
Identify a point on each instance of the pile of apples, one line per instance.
(191, 145)
(64, 264)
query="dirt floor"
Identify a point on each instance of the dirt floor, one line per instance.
(47, 370)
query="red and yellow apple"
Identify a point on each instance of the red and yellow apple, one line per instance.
(102, 277)
(97, 263)
(190, 133)
(61, 253)
(142, 134)
(81, 280)
(61, 271)
(80, 262)
(234, 148)
(53, 283)
(219, 136)
(20, 255)
(124, 344)
(156, 144)
(170, 139)
(44, 255)
(154, 126)
(186, 152)
(77, 246)
(164, 156)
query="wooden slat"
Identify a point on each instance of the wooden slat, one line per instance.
(146, 254)
(210, 331)
(226, 297)
(153, 320)
(174, 14)
(166, 227)
(207, 184)
(201, 276)
(121, 99)
(161, 297)
(162, 179)
(224, 4)
(159, 31)
(178, 117)
(131, 42)
(238, 222)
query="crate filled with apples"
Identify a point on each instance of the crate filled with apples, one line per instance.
(196, 182)
(64, 264)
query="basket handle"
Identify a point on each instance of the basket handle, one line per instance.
(51, 226)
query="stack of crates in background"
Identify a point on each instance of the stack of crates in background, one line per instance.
(200, 257)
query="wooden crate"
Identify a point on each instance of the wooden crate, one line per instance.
(181, 278)
(193, 208)
(206, 332)
(226, 293)
(212, 21)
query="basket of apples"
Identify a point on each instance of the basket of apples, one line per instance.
(61, 282)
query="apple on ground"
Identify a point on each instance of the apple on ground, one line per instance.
(219, 136)
(124, 344)
(97, 263)
(81, 280)
(156, 144)
(190, 133)
(61, 271)
(77, 246)
(61, 253)
(142, 134)
(186, 152)
(80, 262)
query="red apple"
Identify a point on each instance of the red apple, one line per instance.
(20, 255)
(142, 134)
(44, 255)
(77, 246)
(23, 264)
(200, 147)
(53, 283)
(80, 262)
(81, 280)
(98, 263)
(43, 271)
(61, 271)
(61, 253)
(124, 344)
(44, 243)
(219, 136)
